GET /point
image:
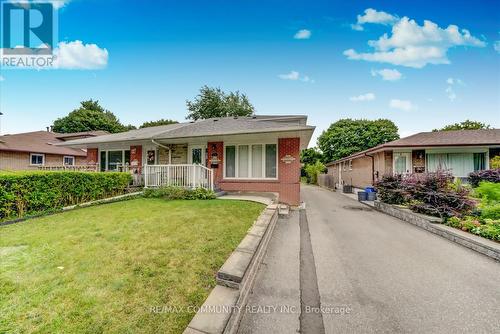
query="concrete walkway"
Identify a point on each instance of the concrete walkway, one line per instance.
(373, 273)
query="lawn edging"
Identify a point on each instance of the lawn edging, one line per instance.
(222, 310)
(73, 207)
(434, 225)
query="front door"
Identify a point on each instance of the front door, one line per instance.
(197, 155)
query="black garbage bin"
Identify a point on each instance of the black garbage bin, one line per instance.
(362, 196)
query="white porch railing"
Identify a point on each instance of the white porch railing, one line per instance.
(187, 176)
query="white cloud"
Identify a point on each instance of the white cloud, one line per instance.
(76, 55)
(416, 46)
(303, 34)
(294, 75)
(450, 92)
(373, 16)
(404, 105)
(496, 46)
(387, 74)
(363, 97)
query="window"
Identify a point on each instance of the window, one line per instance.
(114, 160)
(254, 161)
(344, 166)
(69, 161)
(402, 163)
(37, 159)
(350, 164)
(460, 164)
(479, 161)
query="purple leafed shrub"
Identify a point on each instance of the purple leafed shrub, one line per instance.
(489, 175)
(433, 194)
(390, 190)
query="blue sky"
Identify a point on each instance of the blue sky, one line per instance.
(143, 59)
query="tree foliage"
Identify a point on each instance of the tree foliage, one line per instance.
(465, 125)
(310, 156)
(348, 136)
(313, 170)
(213, 102)
(157, 123)
(90, 116)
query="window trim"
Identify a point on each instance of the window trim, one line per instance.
(107, 157)
(69, 156)
(350, 164)
(38, 154)
(236, 157)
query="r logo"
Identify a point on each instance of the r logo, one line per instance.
(27, 28)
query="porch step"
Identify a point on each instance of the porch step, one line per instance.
(219, 193)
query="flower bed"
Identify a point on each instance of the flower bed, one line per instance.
(474, 207)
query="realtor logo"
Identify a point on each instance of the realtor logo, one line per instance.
(28, 34)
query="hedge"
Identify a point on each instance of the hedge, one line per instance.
(173, 192)
(29, 193)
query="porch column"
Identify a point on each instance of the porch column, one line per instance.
(92, 157)
(216, 160)
(289, 170)
(136, 158)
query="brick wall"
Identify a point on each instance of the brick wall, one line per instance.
(288, 183)
(92, 157)
(136, 157)
(218, 148)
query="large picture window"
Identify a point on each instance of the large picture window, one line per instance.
(256, 161)
(114, 160)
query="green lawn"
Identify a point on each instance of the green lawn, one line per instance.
(101, 269)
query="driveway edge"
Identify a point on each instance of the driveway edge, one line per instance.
(433, 225)
(235, 279)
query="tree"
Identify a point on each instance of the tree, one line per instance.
(348, 136)
(90, 116)
(465, 125)
(313, 170)
(157, 123)
(310, 156)
(213, 102)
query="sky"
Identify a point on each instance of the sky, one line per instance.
(422, 64)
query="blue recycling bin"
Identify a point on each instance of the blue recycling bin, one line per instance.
(370, 189)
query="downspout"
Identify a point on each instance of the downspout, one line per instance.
(165, 147)
(373, 168)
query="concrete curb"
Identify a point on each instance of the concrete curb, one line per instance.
(235, 279)
(433, 225)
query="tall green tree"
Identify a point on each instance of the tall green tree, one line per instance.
(310, 156)
(348, 136)
(213, 102)
(157, 123)
(465, 125)
(90, 116)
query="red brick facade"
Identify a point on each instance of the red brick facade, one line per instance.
(288, 183)
(92, 158)
(136, 157)
(216, 152)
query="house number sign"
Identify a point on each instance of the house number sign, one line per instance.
(288, 159)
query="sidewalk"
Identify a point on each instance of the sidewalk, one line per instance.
(274, 305)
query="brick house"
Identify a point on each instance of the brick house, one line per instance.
(257, 153)
(33, 150)
(460, 152)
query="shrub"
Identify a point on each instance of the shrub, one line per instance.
(435, 194)
(312, 171)
(495, 162)
(489, 175)
(486, 228)
(27, 193)
(390, 189)
(489, 193)
(174, 192)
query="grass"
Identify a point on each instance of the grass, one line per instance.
(102, 269)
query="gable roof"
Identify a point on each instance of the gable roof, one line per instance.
(37, 142)
(485, 137)
(206, 127)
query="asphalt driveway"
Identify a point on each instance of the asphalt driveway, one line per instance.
(368, 272)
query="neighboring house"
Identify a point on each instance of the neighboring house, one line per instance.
(257, 153)
(460, 152)
(31, 150)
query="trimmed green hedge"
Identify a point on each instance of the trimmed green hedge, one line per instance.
(173, 192)
(28, 193)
